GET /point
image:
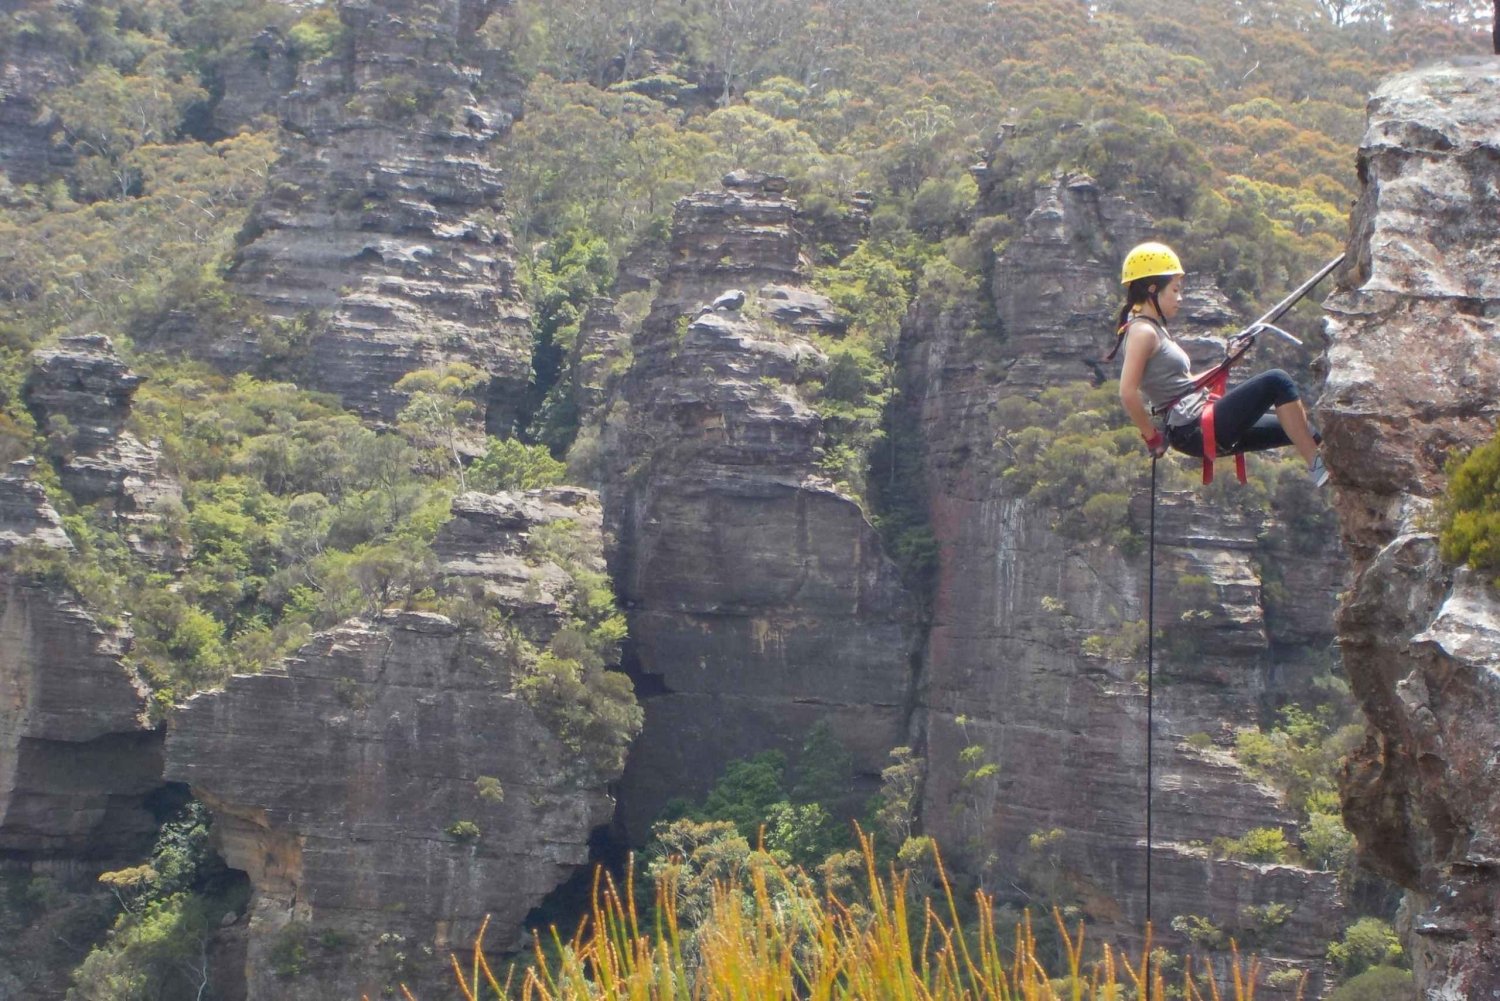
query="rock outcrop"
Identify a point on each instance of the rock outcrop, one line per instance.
(388, 786)
(1413, 378)
(33, 63)
(251, 81)
(78, 753)
(80, 393)
(759, 598)
(380, 246)
(1032, 662)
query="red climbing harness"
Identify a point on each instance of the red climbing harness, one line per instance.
(1210, 442)
(1215, 382)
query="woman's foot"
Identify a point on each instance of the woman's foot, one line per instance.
(1318, 473)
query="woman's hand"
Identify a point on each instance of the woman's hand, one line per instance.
(1156, 443)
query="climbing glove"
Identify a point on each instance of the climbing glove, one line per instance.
(1156, 444)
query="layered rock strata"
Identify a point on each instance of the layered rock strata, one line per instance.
(78, 753)
(1033, 664)
(32, 63)
(380, 245)
(759, 599)
(387, 788)
(80, 393)
(1413, 379)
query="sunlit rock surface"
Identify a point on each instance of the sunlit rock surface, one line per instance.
(1413, 378)
(1021, 666)
(760, 601)
(380, 245)
(78, 753)
(386, 788)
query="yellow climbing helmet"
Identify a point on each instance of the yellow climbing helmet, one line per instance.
(1149, 260)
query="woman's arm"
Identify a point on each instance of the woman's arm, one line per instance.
(1140, 344)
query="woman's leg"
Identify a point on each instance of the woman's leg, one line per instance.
(1242, 424)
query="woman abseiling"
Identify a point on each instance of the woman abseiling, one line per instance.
(1156, 380)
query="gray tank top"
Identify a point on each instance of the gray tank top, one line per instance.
(1168, 377)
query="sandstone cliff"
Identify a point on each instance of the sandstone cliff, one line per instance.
(78, 754)
(759, 599)
(379, 243)
(389, 787)
(80, 392)
(33, 63)
(1414, 375)
(1010, 670)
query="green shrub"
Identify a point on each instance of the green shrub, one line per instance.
(463, 830)
(1471, 510)
(1380, 983)
(1260, 844)
(509, 464)
(1366, 943)
(316, 35)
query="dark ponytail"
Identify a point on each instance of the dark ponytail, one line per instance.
(1137, 293)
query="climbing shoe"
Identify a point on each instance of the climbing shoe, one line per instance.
(1318, 474)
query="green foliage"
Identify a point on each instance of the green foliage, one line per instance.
(801, 814)
(1327, 843)
(593, 711)
(1259, 844)
(1367, 943)
(509, 464)
(1074, 454)
(1471, 510)
(1300, 755)
(895, 809)
(1199, 930)
(563, 281)
(747, 791)
(463, 830)
(441, 406)
(1126, 643)
(170, 909)
(318, 33)
(160, 951)
(825, 767)
(1379, 983)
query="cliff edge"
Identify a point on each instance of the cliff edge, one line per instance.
(1414, 378)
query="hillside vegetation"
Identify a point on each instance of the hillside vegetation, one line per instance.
(1234, 124)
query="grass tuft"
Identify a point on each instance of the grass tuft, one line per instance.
(771, 934)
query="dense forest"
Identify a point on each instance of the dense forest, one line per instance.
(1233, 124)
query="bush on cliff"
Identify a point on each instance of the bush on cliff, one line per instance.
(1471, 510)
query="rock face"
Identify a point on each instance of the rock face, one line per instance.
(80, 391)
(252, 80)
(758, 596)
(1414, 376)
(401, 789)
(75, 770)
(1029, 662)
(32, 64)
(380, 243)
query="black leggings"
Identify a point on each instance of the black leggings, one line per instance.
(1242, 418)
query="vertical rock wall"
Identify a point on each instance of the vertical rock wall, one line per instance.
(381, 233)
(1413, 377)
(387, 788)
(75, 768)
(758, 596)
(1008, 667)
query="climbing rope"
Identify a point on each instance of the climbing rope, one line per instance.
(1150, 678)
